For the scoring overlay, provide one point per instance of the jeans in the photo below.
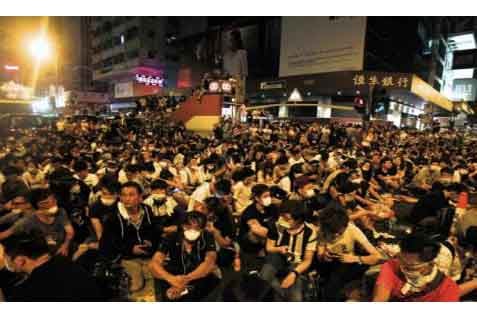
(278, 264)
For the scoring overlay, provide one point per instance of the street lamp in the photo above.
(40, 49)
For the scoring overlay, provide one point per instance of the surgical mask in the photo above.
(191, 235)
(267, 201)
(52, 211)
(158, 196)
(415, 281)
(107, 201)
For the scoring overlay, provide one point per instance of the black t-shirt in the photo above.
(428, 206)
(225, 225)
(179, 261)
(101, 211)
(265, 219)
(339, 181)
(59, 279)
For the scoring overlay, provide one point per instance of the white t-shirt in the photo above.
(347, 241)
(293, 161)
(285, 184)
(242, 197)
(200, 194)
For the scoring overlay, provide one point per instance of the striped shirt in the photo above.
(298, 243)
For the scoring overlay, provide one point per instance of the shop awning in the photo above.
(428, 93)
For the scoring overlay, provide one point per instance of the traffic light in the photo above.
(359, 104)
(380, 102)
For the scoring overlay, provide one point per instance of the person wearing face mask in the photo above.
(104, 206)
(16, 208)
(220, 188)
(253, 226)
(290, 247)
(47, 219)
(48, 277)
(164, 206)
(191, 253)
(305, 191)
(414, 276)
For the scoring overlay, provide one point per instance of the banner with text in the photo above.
(311, 45)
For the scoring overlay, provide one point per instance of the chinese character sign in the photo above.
(381, 80)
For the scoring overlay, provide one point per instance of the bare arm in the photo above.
(205, 268)
(467, 287)
(381, 293)
(98, 227)
(257, 229)
(157, 269)
(305, 264)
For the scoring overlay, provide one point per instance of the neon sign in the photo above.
(150, 80)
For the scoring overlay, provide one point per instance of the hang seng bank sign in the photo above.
(382, 79)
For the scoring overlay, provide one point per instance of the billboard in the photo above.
(311, 45)
(464, 89)
(123, 90)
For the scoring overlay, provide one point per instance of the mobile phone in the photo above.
(185, 292)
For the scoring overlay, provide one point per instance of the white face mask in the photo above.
(267, 201)
(52, 211)
(107, 201)
(158, 196)
(191, 235)
(416, 282)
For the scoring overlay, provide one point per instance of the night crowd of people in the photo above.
(141, 209)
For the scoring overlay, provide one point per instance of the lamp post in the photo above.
(41, 50)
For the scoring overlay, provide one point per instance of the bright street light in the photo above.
(40, 49)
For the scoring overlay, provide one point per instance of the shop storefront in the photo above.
(400, 98)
